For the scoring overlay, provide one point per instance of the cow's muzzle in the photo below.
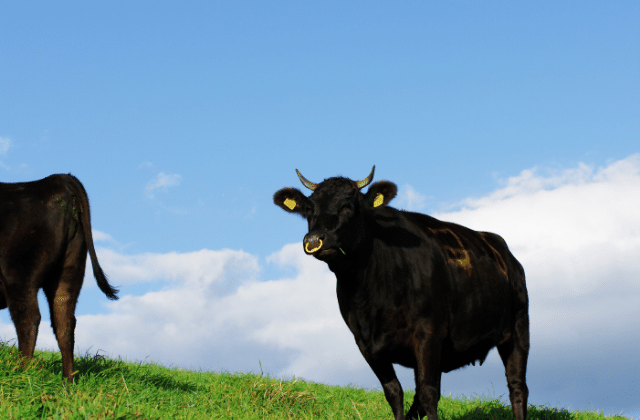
(313, 243)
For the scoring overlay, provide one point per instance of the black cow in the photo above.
(413, 290)
(45, 232)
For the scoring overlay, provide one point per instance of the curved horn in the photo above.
(306, 182)
(367, 180)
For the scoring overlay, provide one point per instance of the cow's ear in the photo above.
(291, 200)
(380, 193)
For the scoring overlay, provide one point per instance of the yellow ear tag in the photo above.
(379, 200)
(290, 203)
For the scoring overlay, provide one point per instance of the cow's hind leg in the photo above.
(514, 354)
(25, 314)
(62, 296)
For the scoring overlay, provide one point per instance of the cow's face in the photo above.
(334, 212)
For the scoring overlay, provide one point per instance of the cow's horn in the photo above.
(367, 180)
(306, 182)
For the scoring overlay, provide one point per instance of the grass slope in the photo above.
(115, 389)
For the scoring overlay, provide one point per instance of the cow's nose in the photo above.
(312, 242)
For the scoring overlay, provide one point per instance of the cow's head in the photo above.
(335, 211)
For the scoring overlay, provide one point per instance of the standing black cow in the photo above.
(413, 290)
(45, 232)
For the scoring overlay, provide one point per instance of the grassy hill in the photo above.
(115, 389)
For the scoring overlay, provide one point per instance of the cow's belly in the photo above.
(399, 346)
(389, 351)
(452, 359)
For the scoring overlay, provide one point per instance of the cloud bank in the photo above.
(575, 231)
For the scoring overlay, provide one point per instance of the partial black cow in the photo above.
(413, 290)
(45, 232)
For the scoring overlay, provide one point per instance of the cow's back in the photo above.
(37, 219)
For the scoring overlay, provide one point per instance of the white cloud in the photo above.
(187, 316)
(198, 269)
(163, 181)
(575, 230)
(409, 199)
(99, 236)
(298, 315)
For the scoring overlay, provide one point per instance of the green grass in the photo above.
(115, 389)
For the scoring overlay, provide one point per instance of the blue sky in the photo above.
(182, 120)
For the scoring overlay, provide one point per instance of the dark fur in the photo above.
(413, 290)
(45, 232)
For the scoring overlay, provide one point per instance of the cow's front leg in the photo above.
(419, 410)
(390, 385)
(428, 375)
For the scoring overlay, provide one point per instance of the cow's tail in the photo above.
(85, 220)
